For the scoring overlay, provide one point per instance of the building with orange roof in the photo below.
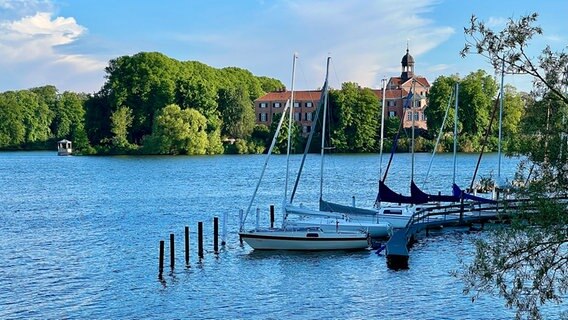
(396, 96)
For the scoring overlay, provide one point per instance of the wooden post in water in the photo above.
(161, 260)
(216, 235)
(186, 246)
(200, 239)
(271, 216)
(172, 251)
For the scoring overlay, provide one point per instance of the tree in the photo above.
(282, 139)
(356, 114)
(121, 121)
(237, 113)
(527, 262)
(178, 131)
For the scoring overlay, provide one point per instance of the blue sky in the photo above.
(68, 43)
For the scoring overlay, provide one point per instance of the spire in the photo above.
(407, 65)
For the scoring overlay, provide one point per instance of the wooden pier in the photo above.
(462, 214)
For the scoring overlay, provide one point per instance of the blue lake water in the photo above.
(79, 240)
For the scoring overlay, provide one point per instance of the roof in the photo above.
(390, 94)
(306, 95)
(398, 81)
(407, 59)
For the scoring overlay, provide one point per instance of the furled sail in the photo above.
(423, 197)
(459, 192)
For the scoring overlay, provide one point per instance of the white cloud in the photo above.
(366, 40)
(33, 43)
(496, 22)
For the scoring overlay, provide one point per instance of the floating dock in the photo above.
(463, 214)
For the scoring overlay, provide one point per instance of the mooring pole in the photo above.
(216, 235)
(172, 251)
(200, 239)
(271, 216)
(161, 260)
(186, 246)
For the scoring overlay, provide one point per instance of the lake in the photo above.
(80, 238)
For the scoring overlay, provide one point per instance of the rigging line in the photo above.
(439, 137)
(486, 138)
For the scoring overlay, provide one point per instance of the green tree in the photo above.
(69, 120)
(441, 94)
(121, 121)
(526, 262)
(12, 128)
(178, 131)
(282, 139)
(237, 112)
(356, 117)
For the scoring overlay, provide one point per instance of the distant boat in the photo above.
(290, 237)
(64, 147)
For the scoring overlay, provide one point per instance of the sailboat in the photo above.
(328, 221)
(290, 237)
(395, 215)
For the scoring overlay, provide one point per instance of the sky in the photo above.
(68, 43)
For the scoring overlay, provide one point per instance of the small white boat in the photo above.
(305, 239)
(334, 222)
(64, 147)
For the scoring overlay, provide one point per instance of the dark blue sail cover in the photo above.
(458, 193)
(423, 197)
(386, 194)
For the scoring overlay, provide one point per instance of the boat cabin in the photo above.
(64, 147)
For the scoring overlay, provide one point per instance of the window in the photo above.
(297, 116)
(296, 104)
(392, 114)
(391, 103)
(263, 104)
(416, 116)
(276, 105)
(308, 116)
(263, 117)
(308, 129)
(309, 104)
(305, 129)
(409, 115)
(424, 116)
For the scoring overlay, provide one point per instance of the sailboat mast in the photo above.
(382, 129)
(456, 130)
(412, 114)
(290, 128)
(500, 123)
(323, 128)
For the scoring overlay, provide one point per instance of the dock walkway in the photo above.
(465, 214)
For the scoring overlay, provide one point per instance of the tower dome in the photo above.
(407, 66)
(407, 59)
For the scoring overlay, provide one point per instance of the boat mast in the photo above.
(323, 128)
(289, 130)
(500, 123)
(413, 90)
(456, 130)
(384, 81)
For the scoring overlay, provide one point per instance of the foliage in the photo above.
(237, 113)
(121, 120)
(282, 139)
(526, 262)
(356, 117)
(178, 131)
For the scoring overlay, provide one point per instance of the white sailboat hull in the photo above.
(305, 239)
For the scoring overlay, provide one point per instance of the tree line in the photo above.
(153, 104)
